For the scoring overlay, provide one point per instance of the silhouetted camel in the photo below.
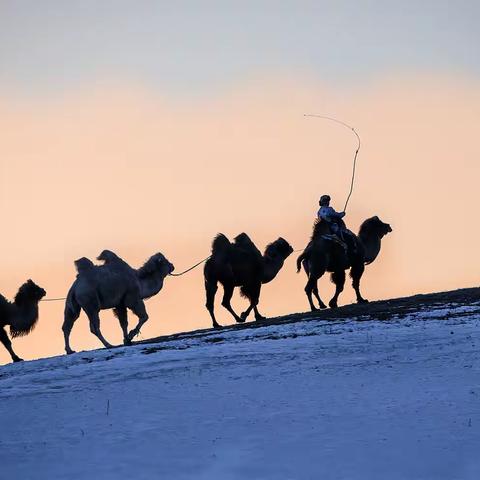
(21, 315)
(240, 264)
(325, 254)
(113, 285)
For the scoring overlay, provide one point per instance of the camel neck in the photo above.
(372, 245)
(270, 269)
(151, 285)
(25, 316)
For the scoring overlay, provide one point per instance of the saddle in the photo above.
(333, 238)
(349, 242)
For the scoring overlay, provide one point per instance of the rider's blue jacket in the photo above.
(328, 214)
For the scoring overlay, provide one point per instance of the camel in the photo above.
(21, 314)
(240, 264)
(325, 253)
(113, 285)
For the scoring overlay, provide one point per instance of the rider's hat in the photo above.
(324, 199)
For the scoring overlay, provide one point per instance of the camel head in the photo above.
(29, 292)
(374, 227)
(156, 265)
(279, 249)
(28, 296)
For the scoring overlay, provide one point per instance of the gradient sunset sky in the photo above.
(144, 126)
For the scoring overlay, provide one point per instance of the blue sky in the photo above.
(195, 47)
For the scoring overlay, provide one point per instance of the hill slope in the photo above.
(311, 396)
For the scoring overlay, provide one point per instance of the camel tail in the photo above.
(299, 261)
(220, 243)
(83, 264)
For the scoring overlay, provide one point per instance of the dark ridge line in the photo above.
(377, 310)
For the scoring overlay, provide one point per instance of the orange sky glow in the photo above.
(125, 169)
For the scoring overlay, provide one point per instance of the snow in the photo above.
(306, 400)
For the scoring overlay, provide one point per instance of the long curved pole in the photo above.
(356, 151)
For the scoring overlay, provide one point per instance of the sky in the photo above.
(151, 126)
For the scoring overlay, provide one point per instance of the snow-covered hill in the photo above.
(319, 396)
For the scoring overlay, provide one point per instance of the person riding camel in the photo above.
(332, 217)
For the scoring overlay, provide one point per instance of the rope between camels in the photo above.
(356, 151)
(189, 269)
(53, 299)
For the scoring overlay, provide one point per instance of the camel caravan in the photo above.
(115, 285)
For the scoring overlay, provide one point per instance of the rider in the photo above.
(329, 215)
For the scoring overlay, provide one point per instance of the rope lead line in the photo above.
(356, 151)
(189, 269)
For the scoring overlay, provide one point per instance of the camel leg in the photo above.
(255, 300)
(94, 318)
(258, 316)
(312, 288)
(317, 296)
(122, 315)
(246, 313)
(338, 278)
(72, 312)
(227, 296)
(309, 287)
(140, 311)
(251, 293)
(211, 289)
(356, 273)
(8, 345)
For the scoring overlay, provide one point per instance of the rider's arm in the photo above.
(333, 214)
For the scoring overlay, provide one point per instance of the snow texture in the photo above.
(308, 400)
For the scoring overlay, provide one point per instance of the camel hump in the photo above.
(108, 256)
(220, 243)
(244, 241)
(83, 264)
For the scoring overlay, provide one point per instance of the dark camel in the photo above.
(325, 253)
(240, 264)
(21, 314)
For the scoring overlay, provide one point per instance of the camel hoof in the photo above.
(217, 326)
(323, 306)
(362, 300)
(17, 359)
(333, 304)
(132, 335)
(244, 316)
(127, 341)
(70, 352)
(260, 318)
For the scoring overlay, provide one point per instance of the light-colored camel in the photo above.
(113, 285)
